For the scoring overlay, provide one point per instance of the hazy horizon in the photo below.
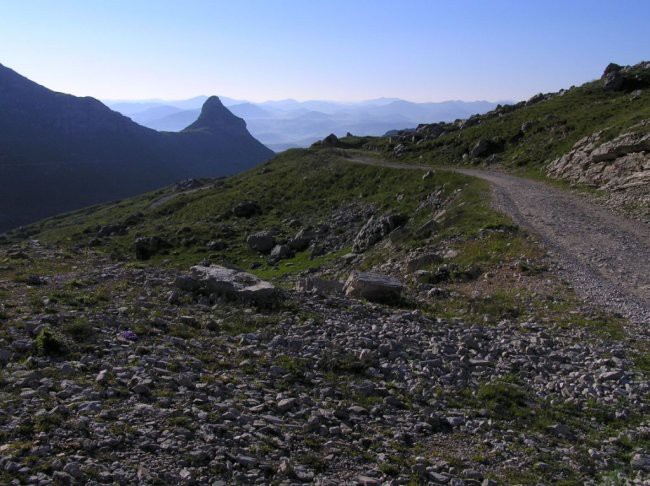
(299, 100)
(422, 51)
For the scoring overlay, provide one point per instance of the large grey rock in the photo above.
(375, 229)
(373, 287)
(234, 284)
(431, 131)
(613, 81)
(262, 242)
(22, 345)
(330, 141)
(112, 230)
(286, 404)
(280, 252)
(612, 67)
(563, 431)
(142, 387)
(483, 148)
(636, 94)
(302, 239)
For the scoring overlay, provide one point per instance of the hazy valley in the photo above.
(288, 123)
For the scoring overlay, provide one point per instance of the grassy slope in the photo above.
(306, 185)
(309, 185)
(557, 124)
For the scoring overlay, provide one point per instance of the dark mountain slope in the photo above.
(59, 152)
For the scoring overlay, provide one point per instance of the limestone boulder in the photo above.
(375, 229)
(262, 242)
(374, 287)
(230, 283)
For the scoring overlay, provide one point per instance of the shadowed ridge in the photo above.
(10, 79)
(60, 152)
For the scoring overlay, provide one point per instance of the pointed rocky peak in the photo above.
(215, 116)
(213, 108)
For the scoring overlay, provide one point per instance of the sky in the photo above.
(346, 50)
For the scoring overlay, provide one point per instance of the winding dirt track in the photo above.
(605, 256)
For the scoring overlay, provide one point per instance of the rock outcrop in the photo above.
(621, 166)
(373, 287)
(330, 141)
(375, 229)
(615, 80)
(262, 242)
(230, 283)
(483, 148)
(280, 252)
(302, 239)
(619, 78)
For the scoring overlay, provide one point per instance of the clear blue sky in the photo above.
(422, 50)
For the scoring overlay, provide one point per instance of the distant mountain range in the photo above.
(59, 152)
(289, 123)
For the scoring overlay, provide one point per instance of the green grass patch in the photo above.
(79, 330)
(642, 362)
(494, 246)
(50, 343)
(504, 398)
(313, 460)
(74, 296)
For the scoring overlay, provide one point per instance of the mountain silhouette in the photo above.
(60, 152)
(289, 123)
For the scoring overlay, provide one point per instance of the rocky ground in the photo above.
(397, 329)
(120, 373)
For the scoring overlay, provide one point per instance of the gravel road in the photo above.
(604, 255)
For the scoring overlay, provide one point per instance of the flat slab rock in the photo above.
(234, 284)
(373, 287)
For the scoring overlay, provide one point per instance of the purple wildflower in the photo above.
(129, 335)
